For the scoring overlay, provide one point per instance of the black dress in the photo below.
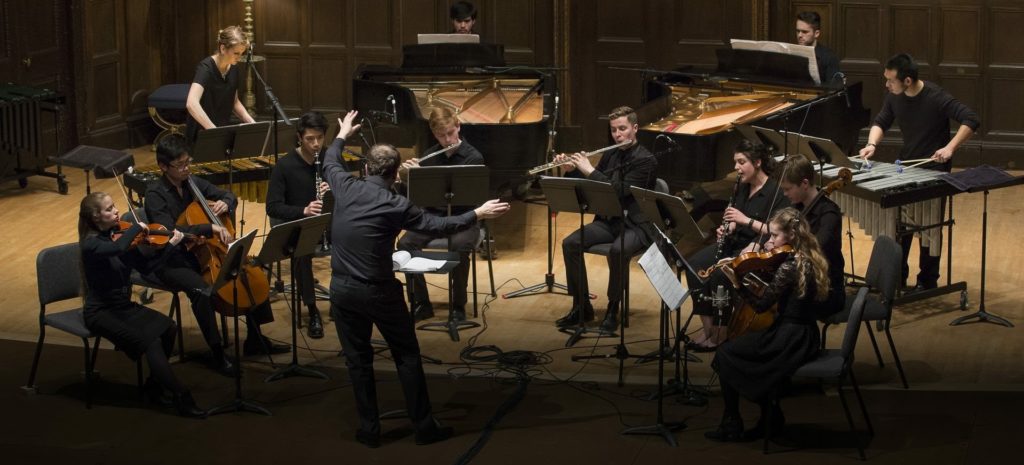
(756, 364)
(109, 310)
(219, 93)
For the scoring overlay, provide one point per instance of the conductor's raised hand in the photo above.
(347, 128)
(492, 209)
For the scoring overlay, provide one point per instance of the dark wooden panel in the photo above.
(1005, 117)
(1005, 33)
(102, 15)
(105, 102)
(859, 35)
(374, 27)
(912, 33)
(327, 25)
(961, 36)
(329, 93)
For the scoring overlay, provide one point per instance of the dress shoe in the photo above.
(729, 430)
(921, 287)
(253, 347)
(573, 317)
(369, 440)
(436, 434)
(186, 406)
(611, 319)
(699, 348)
(316, 325)
(458, 313)
(155, 393)
(422, 312)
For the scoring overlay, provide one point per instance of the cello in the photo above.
(253, 286)
(748, 268)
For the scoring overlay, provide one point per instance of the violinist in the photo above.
(756, 196)
(754, 365)
(825, 220)
(165, 202)
(109, 311)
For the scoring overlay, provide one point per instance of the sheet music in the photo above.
(447, 39)
(660, 274)
(404, 261)
(782, 47)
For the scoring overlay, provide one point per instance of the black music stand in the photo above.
(254, 139)
(581, 196)
(668, 214)
(658, 270)
(993, 181)
(449, 186)
(231, 269)
(103, 162)
(294, 239)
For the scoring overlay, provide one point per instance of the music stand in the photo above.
(251, 140)
(580, 196)
(230, 270)
(294, 239)
(669, 215)
(449, 186)
(103, 162)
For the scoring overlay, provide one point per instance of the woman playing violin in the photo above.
(757, 194)
(757, 363)
(109, 310)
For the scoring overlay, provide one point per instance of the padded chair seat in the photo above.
(71, 321)
(828, 364)
(169, 97)
(873, 310)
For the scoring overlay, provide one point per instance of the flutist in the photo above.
(445, 127)
(744, 223)
(296, 191)
(629, 165)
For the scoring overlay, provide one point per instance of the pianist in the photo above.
(922, 110)
(463, 16)
(808, 30)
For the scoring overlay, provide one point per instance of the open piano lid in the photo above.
(763, 67)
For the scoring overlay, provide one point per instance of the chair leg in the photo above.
(863, 407)
(768, 428)
(176, 310)
(31, 385)
(874, 344)
(896, 357)
(95, 351)
(138, 378)
(88, 373)
(473, 266)
(849, 420)
(824, 332)
(490, 264)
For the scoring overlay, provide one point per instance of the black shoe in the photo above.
(315, 329)
(573, 317)
(253, 347)
(369, 440)
(730, 430)
(436, 434)
(155, 393)
(759, 430)
(458, 313)
(422, 312)
(224, 366)
(186, 406)
(610, 323)
(921, 287)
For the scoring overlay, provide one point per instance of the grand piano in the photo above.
(504, 111)
(700, 110)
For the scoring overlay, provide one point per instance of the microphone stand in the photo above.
(275, 104)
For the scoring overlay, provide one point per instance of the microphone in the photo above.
(394, 109)
(846, 93)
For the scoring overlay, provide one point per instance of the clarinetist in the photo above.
(756, 196)
(622, 122)
(295, 192)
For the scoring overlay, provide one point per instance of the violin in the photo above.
(157, 236)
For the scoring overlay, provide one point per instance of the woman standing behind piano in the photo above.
(214, 92)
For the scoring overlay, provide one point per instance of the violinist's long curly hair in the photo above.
(88, 210)
(808, 252)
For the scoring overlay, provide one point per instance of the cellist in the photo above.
(165, 202)
(755, 364)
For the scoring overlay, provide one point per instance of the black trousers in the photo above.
(303, 269)
(356, 307)
(600, 232)
(928, 266)
(462, 242)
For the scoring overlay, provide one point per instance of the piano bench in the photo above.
(167, 110)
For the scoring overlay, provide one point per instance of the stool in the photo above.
(171, 99)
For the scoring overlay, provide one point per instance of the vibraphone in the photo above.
(893, 200)
(21, 154)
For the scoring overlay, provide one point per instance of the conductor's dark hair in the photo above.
(312, 120)
(171, 148)
(462, 10)
(757, 152)
(383, 160)
(810, 17)
(904, 65)
(798, 168)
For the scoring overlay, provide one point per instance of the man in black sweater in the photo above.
(293, 194)
(445, 127)
(364, 292)
(922, 110)
(808, 30)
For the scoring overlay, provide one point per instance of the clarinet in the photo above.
(725, 235)
(317, 180)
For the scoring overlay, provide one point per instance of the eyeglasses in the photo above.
(181, 165)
